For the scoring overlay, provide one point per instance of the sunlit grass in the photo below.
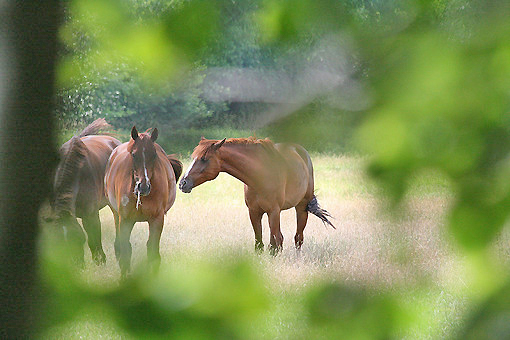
(368, 249)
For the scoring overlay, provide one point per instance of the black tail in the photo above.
(176, 165)
(314, 208)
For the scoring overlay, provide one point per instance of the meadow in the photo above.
(370, 248)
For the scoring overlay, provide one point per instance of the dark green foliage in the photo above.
(304, 126)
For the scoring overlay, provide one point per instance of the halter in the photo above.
(137, 194)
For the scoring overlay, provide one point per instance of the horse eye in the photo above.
(203, 160)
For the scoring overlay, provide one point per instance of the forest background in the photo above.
(225, 69)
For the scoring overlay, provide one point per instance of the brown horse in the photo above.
(79, 187)
(275, 176)
(140, 185)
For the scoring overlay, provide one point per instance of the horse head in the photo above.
(205, 165)
(143, 153)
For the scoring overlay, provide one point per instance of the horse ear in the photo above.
(202, 138)
(134, 133)
(154, 134)
(219, 144)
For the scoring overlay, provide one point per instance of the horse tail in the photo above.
(314, 208)
(176, 165)
(67, 174)
(313, 205)
(94, 127)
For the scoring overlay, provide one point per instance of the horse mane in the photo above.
(95, 127)
(67, 173)
(204, 146)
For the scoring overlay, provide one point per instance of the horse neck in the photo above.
(243, 162)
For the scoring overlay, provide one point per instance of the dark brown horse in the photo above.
(275, 176)
(79, 187)
(140, 185)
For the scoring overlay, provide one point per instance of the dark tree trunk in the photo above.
(28, 43)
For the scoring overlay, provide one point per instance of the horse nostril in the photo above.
(186, 185)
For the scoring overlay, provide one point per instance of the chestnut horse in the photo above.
(78, 189)
(276, 177)
(140, 185)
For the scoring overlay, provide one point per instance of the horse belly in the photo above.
(293, 197)
(171, 198)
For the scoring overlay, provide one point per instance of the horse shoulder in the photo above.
(117, 177)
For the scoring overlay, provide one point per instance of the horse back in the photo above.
(99, 149)
(81, 171)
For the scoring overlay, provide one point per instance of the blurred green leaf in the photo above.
(492, 319)
(192, 25)
(337, 311)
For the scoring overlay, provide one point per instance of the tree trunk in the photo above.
(28, 40)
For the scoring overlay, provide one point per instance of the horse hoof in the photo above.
(99, 259)
(259, 247)
(274, 250)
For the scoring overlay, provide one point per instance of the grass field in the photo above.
(369, 248)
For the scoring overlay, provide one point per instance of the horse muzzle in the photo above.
(186, 185)
(142, 188)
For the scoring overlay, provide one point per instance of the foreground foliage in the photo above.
(430, 80)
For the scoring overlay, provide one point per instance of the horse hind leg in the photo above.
(302, 218)
(74, 237)
(92, 226)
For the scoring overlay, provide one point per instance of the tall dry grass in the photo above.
(369, 247)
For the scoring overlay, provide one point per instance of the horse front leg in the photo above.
(256, 222)
(92, 226)
(276, 240)
(155, 230)
(116, 221)
(123, 248)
